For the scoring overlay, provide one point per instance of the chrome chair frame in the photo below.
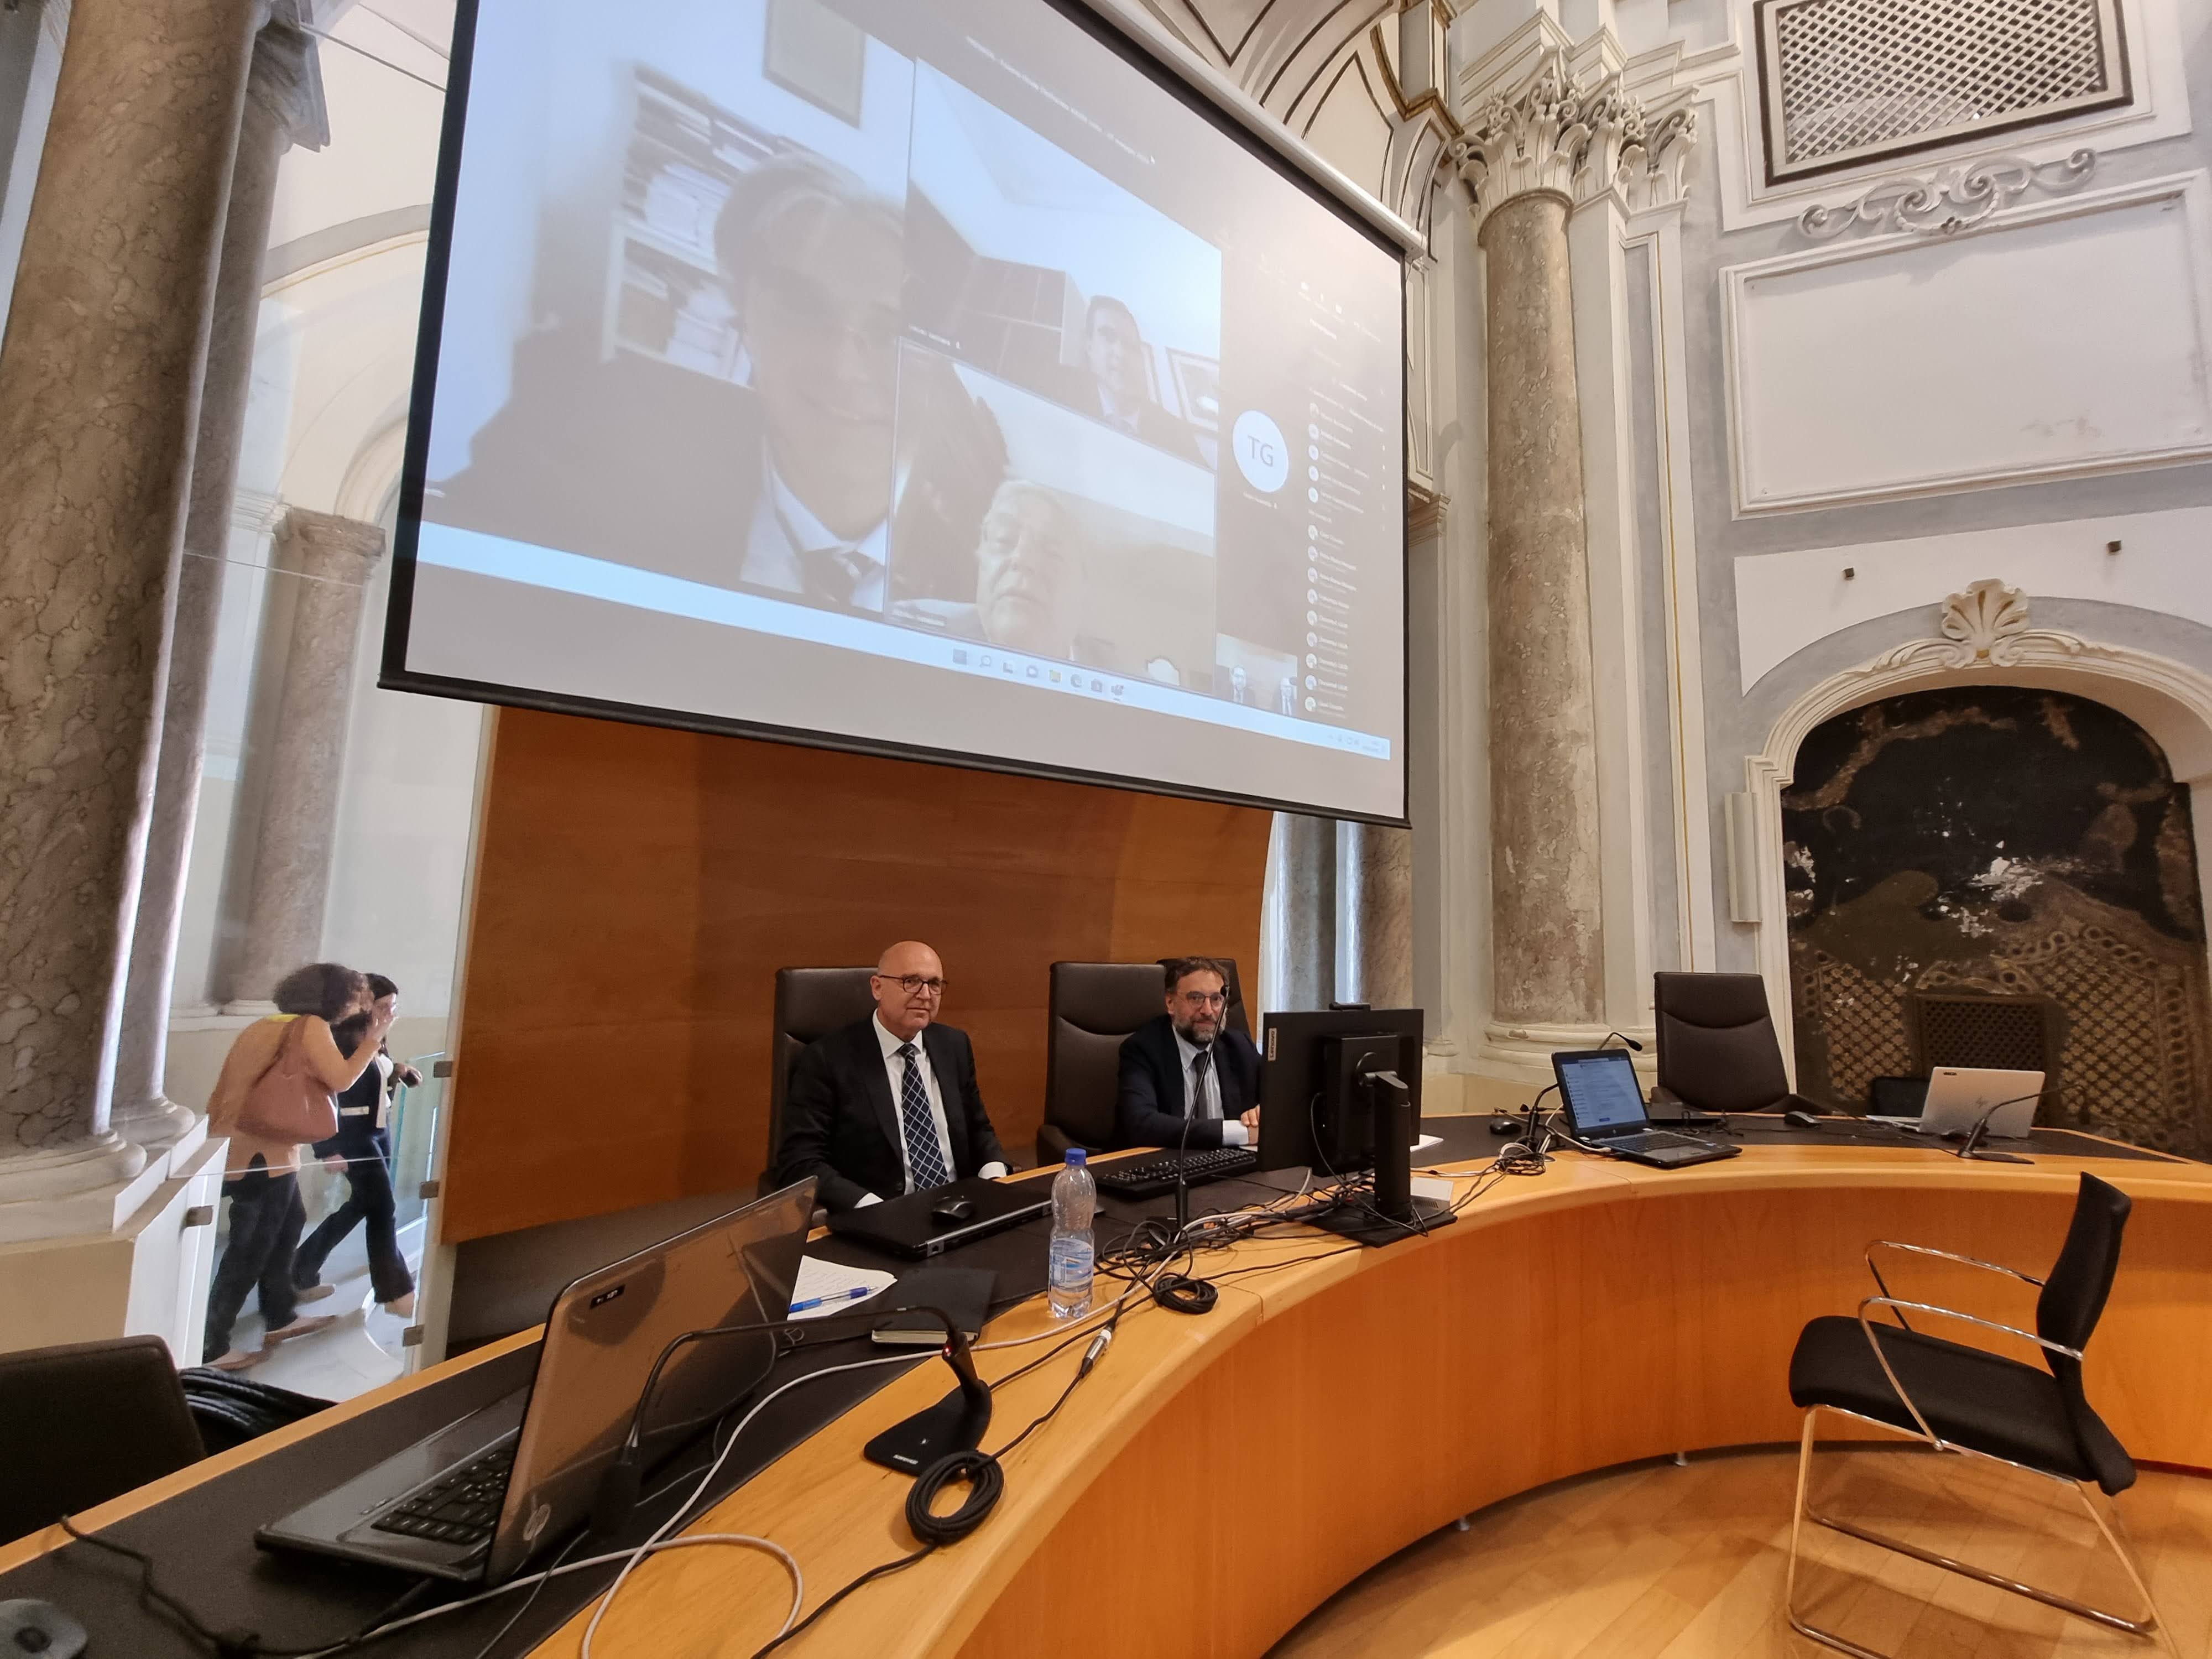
(2112, 1530)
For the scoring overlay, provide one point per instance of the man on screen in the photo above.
(889, 1105)
(1029, 575)
(1186, 1079)
(813, 263)
(1115, 386)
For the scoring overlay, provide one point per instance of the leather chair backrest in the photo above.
(810, 1003)
(2067, 1312)
(1717, 1047)
(1093, 1007)
(86, 1422)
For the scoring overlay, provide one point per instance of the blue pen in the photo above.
(853, 1295)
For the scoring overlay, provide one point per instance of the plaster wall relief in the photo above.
(2012, 841)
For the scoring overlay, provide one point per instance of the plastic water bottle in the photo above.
(1074, 1202)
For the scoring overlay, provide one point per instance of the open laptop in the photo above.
(929, 1224)
(1604, 1108)
(477, 1499)
(1958, 1096)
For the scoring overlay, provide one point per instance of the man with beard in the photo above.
(1188, 1079)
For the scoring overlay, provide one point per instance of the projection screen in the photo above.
(938, 378)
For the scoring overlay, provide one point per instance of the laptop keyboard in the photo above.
(1655, 1140)
(459, 1508)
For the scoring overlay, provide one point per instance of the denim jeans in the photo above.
(266, 1218)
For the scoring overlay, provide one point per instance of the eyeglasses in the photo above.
(1205, 998)
(911, 983)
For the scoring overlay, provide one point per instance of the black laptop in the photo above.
(1605, 1110)
(476, 1499)
(929, 1224)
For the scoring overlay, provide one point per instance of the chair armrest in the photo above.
(1946, 1256)
(1662, 1095)
(1882, 1359)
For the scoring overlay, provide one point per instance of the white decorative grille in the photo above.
(1845, 81)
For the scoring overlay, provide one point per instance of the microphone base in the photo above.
(956, 1423)
(1984, 1155)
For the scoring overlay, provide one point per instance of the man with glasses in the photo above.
(889, 1104)
(1186, 1079)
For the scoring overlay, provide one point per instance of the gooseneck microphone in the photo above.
(1625, 1038)
(1971, 1148)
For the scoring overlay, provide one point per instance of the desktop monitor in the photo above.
(1339, 1092)
(1310, 1110)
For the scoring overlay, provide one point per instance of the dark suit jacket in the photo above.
(1155, 426)
(1149, 1109)
(840, 1124)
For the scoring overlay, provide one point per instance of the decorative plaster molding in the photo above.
(1984, 638)
(1949, 199)
(1581, 137)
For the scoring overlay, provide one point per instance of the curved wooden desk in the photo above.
(1218, 1477)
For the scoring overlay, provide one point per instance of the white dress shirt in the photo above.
(1202, 1097)
(783, 528)
(894, 1070)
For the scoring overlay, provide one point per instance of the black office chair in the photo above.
(1965, 1400)
(1092, 1006)
(1718, 1051)
(86, 1422)
(810, 1003)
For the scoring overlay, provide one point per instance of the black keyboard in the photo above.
(461, 1507)
(1156, 1176)
(1655, 1140)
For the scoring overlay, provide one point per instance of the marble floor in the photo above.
(359, 1352)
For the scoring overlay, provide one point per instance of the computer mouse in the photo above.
(1504, 1126)
(41, 1628)
(948, 1210)
(1798, 1119)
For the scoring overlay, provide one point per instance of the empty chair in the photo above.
(1718, 1051)
(86, 1422)
(810, 1003)
(1092, 1006)
(1965, 1400)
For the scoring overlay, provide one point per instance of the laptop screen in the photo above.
(1600, 1091)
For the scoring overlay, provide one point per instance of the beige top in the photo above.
(253, 1053)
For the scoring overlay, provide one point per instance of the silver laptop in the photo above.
(1958, 1096)
(476, 1499)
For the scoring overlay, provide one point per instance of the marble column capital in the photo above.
(1581, 137)
(326, 547)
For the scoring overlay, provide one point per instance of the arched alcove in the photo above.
(2005, 842)
(1983, 639)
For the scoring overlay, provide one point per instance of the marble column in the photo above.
(1383, 898)
(279, 104)
(1524, 156)
(1307, 911)
(304, 676)
(99, 385)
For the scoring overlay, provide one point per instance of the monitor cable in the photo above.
(1181, 1293)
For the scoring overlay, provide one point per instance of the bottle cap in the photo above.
(1076, 1156)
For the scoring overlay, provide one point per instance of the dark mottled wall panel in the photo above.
(2005, 840)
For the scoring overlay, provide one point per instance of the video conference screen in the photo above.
(914, 376)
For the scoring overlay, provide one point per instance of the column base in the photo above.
(145, 1272)
(1523, 1050)
(153, 1124)
(89, 1186)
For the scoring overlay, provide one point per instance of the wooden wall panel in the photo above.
(637, 889)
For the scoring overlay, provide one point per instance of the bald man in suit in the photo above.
(889, 1105)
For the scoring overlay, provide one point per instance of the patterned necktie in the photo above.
(831, 575)
(1202, 1103)
(925, 1164)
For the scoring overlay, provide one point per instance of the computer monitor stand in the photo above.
(1395, 1213)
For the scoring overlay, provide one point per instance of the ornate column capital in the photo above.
(1578, 138)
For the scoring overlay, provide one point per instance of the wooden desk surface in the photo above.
(1219, 1476)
